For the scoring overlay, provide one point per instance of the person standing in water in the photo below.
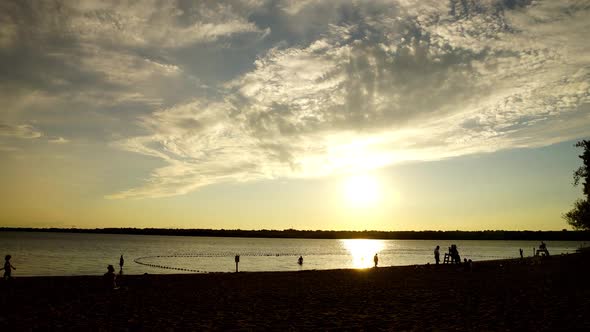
(300, 260)
(376, 260)
(121, 262)
(8, 267)
(437, 254)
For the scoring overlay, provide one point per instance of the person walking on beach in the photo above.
(121, 262)
(8, 268)
(521, 253)
(376, 260)
(300, 260)
(437, 254)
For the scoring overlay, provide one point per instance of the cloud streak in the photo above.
(23, 131)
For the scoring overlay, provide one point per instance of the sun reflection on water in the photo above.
(362, 251)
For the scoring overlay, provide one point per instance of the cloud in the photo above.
(103, 63)
(85, 43)
(150, 23)
(128, 23)
(58, 140)
(246, 90)
(4, 148)
(23, 131)
(382, 84)
(201, 144)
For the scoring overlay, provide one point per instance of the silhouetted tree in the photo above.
(579, 216)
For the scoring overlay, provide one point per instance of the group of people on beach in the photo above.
(110, 277)
(453, 253)
(454, 256)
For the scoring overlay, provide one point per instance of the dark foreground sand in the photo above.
(501, 295)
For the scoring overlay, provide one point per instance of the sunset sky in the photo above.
(306, 114)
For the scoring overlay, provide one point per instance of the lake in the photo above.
(64, 254)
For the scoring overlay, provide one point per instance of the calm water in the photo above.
(37, 254)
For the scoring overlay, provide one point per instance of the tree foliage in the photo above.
(579, 216)
(582, 172)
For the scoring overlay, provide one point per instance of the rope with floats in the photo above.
(141, 260)
(138, 261)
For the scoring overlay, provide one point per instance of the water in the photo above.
(40, 254)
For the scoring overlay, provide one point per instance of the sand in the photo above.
(552, 294)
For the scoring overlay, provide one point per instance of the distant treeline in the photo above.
(319, 234)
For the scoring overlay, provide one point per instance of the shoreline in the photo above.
(99, 275)
(479, 262)
(534, 294)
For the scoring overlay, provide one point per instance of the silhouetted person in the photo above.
(121, 262)
(543, 248)
(454, 253)
(110, 278)
(521, 253)
(8, 267)
(376, 260)
(300, 260)
(437, 254)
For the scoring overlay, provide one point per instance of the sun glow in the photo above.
(362, 190)
(362, 251)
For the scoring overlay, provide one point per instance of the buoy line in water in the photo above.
(140, 260)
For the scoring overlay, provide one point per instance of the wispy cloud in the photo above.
(202, 145)
(58, 140)
(23, 131)
(102, 63)
(148, 23)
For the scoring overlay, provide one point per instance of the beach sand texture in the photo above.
(553, 294)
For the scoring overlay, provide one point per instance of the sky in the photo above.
(306, 114)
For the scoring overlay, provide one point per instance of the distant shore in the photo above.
(562, 235)
(530, 295)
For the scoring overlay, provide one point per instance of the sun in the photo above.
(362, 251)
(361, 190)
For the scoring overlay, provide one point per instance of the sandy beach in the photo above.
(548, 295)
